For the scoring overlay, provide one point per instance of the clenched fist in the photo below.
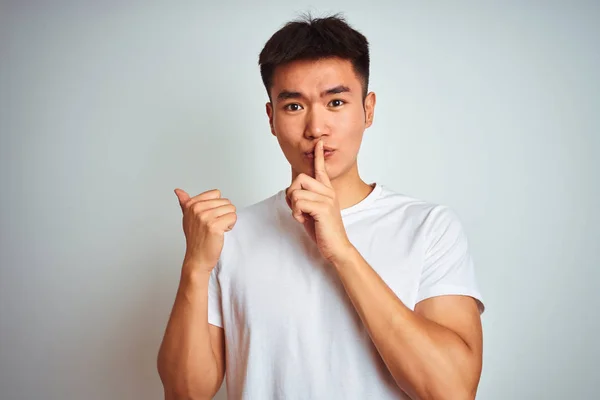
(206, 218)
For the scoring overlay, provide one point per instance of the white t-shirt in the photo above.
(291, 331)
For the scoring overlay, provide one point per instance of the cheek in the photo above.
(289, 131)
(289, 137)
(283, 126)
(349, 129)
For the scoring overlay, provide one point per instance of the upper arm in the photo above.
(448, 292)
(217, 341)
(461, 315)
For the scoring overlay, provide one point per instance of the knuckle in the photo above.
(204, 218)
(188, 204)
(196, 208)
(212, 226)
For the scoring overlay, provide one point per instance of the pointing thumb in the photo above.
(182, 196)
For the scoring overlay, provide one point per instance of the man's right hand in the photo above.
(206, 218)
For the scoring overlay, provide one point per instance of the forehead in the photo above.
(313, 76)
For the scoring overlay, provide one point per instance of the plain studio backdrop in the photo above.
(106, 107)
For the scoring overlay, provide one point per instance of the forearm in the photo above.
(426, 359)
(186, 363)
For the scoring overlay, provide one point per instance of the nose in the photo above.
(316, 124)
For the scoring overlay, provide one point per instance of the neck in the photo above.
(349, 188)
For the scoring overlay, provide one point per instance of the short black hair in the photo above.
(311, 38)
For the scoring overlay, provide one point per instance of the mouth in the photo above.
(326, 153)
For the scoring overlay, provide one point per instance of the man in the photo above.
(332, 288)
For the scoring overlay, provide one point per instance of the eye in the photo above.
(337, 103)
(292, 107)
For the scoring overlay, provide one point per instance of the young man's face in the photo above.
(319, 99)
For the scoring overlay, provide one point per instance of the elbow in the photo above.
(183, 391)
(186, 389)
(175, 385)
(469, 392)
(186, 395)
(457, 391)
(181, 386)
(457, 386)
(462, 392)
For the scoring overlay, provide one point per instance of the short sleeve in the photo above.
(215, 315)
(448, 267)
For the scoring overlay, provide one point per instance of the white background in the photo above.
(106, 107)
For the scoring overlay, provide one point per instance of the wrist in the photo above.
(193, 267)
(345, 256)
(196, 261)
(190, 275)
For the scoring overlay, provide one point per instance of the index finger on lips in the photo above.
(306, 182)
(319, 165)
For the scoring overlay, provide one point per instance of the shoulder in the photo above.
(424, 212)
(429, 220)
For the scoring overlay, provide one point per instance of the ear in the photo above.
(269, 109)
(370, 101)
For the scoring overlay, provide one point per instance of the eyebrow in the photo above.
(288, 94)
